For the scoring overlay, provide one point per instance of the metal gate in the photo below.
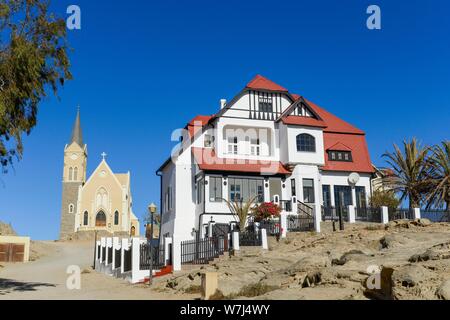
(10, 252)
(221, 229)
(296, 223)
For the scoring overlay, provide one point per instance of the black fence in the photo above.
(273, 227)
(401, 214)
(203, 251)
(158, 257)
(110, 253)
(436, 215)
(127, 260)
(368, 214)
(250, 238)
(297, 223)
(332, 213)
(117, 258)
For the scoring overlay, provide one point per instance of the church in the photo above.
(103, 202)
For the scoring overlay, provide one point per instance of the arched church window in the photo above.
(102, 198)
(75, 174)
(86, 218)
(71, 208)
(100, 219)
(70, 174)
(116, 218)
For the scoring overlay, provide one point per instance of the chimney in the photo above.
(223, 103)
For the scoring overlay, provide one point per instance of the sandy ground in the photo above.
(45, 278)
(414, 257)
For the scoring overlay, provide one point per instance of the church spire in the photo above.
(77, 136)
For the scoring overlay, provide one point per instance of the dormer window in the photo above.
(208, 141)
(265, 104)
(343, 156)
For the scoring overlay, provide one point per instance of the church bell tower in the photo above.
(74, 176)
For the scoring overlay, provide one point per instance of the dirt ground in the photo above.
(414, 259)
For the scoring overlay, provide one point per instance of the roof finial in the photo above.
(103, 155)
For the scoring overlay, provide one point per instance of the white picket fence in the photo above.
(121, 258)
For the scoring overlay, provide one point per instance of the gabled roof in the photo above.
(207, 160)
(261, 83)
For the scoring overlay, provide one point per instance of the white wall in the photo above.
(294, 156)
(341, 179)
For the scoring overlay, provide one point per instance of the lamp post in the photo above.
(152, 210)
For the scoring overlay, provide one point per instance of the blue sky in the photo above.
(144, 68)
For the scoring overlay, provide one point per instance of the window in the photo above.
(243, 189)
(208, 141)
(215, 189)
(326, 194)
(306, 143)
(200, 190)
(102, 198)
(255, 148)
(86, 218)
(168, 199)
(75, 174)
(71, 208)
(265, 104)
(308, 191)
(232, 145)
(70, 174)
(343, 196)
(345, 156)
(361, 201)
(116, 218)
(293, 191)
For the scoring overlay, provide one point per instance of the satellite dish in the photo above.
(353, 178)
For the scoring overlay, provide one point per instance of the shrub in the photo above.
(266, 210)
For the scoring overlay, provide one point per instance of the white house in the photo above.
(266, 143)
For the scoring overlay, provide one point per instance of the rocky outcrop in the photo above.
(6, 230)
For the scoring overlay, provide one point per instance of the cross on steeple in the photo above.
(103, 155)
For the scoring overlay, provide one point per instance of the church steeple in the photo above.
(77, 135)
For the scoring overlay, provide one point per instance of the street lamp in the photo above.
(152, 209)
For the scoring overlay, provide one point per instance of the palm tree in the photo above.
(241, 210)
(410, 168)
(439, 175)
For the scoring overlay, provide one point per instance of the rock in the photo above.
(309, 263)
(437, 252)
(422, 222)
(444, 291)
(6, 230)
(412, 282)
(350, 255)
(394, 240)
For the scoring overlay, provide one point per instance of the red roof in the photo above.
(334, 124)
(207, 160)
(339, 147)
(259, 82)
(196, 124)
(360, 154)
(304, 121)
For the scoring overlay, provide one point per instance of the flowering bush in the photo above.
(266, 210)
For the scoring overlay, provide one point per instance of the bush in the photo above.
(266, 210)
(384, 198)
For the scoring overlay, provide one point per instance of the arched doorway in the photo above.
(133, 231)
(100, 219)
